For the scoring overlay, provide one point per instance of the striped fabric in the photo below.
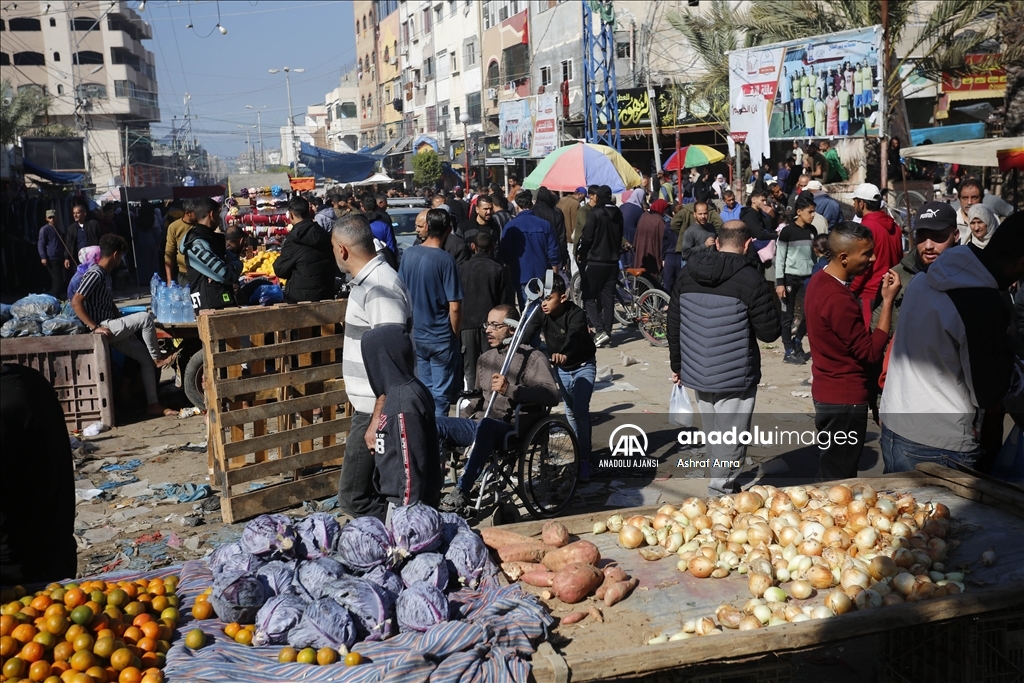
(377, 297)
(95, 288)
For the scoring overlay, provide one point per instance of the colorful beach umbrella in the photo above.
(693, 156)
(581, 165)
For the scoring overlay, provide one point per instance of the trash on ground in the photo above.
(95, 429)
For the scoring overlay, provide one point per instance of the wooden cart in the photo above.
(991, 514)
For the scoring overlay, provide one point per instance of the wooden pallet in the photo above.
(262, 422)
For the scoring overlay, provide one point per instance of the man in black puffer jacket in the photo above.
(597, 254)
(546, 207)
(307, 260)
(720, 307)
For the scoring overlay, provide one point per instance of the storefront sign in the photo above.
(993, 79)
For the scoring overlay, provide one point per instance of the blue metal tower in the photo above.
(600, 94)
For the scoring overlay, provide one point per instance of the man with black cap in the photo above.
(51, 254)
(951, 357)
(934, 232)
(598, 257)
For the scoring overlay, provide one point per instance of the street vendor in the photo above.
(210, 275)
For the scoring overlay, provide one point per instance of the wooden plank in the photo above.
(279, 496)
(1003, 495)
(247, 385)
(267, 411)
(292, 462)
(244, 322)
(781, 638)
(291, 436)
(260, 352)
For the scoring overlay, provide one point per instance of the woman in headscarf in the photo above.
(650, 236)
(87, 256)
(632, 209)
(719, 186)
(983, 224)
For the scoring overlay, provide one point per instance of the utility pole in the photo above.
(652, 105)
(291, 117)
(884, 154)
(259, 125)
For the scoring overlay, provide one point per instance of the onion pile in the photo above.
(851, 546)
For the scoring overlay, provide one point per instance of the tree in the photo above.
(18, 111)
(1012, 25)
(426, 168)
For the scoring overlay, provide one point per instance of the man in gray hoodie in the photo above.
(700, 236)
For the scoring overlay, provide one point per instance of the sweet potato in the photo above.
(573, 618)
(530, 551)
(612, 575)
(595, 613)
(575, 581)
(618, 591)
(542, 578)
(580, 551)
(498, 538)
(555, 533)
(513, 570)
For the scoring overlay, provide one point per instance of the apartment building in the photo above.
(89, 57)
(343, 121)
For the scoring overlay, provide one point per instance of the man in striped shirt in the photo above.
(377, 297)
(93, 302)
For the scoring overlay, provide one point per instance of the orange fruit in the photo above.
(8, 646)
(166, 632)
(157, 588)
(353, 659)
(144, 598)
(30, 611)
(82, 660)
(121, 659)
(57, 624)
(41, 602)
(73, 632)
(24, 633)
(134, 609)
(75, 597)
(39, 671)
(232, 629)
(7, 624)
(195, 639)
(82, 615)
(83, 641)
(150, 629)
(99, 622)
(244, 637)
(202, 610)
(46, 639)
(97, 673)
(15, 667)
(77, 677)
(117, 598)
(32, 652)
(103, 648)
(62, 651)
(130, 675)
(153, 676)
(287, 655)
(160, 603)
(99, 597)
(307, 655)
(133, 634)
(147, 644)
(202, 597)
(57, 608)
(105, 633)
(141, 619)
(326, 655)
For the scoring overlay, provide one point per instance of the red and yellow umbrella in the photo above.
(693, 156)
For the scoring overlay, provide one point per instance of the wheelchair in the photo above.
(538, 464)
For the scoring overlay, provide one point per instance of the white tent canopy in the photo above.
(968, 153)
(375, 179)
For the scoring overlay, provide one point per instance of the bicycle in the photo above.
(638, 301)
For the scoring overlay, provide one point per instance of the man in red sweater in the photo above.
(843, 348)
(888, 239)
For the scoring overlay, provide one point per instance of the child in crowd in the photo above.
(572, 353)
(821, 255)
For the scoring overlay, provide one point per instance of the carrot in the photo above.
(580, 551)
(555, 533)
(543, 579)
(498, 538)
(618, 591)
(530, 551)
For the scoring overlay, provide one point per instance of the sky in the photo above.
(224, 73)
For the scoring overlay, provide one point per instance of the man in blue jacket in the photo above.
(51, 254)
(528, 245)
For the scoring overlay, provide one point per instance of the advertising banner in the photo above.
(990, 80)
(826, 86)
(515, 128)
(545, 129)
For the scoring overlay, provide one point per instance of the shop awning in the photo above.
(52, 176)
(972, 153)
(303, 184)
(341, 166)
(939, 134)
(376, 179)
(396, 146)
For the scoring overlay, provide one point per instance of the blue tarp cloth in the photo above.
(53, 176)
(956, 133)
(342, 167)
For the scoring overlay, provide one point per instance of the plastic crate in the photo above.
(985, 648)
(78, 366)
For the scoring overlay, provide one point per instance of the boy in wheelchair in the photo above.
(528, 384)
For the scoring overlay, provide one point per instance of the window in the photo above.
(348, 110)
(5, 59)
(405, 32)
(431, 118)
(623, 50)
(458, 115)
(364, 22)
(428, 68)
(3, 25)
(567, 70)
(92, 91)
(369, 102)
(357, 27)
(60, 89)
(444, 113)
(470, 54)
(386, 54)
(545, 75)
(473, 107)
(443, 65)
(56, 56)
(493, 75)
(387, 93)
(438, 14)
(454, 63)
(384, 8)
(490, 13)
(25, 24)
(53, 22)
(543, 5)
(29, 59)
(32, 87)
(451, 8)
(516, 62)
(426, 21)
(84, 24)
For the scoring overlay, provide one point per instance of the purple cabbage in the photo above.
(277, 618)
(270, 535)
(386, 579)
(230, 558)
(421, 606)
(238, 597)
(451, 524)
(467, 558)
(325, 623)
(318, 534)
(416, 528)
(276, 577)
(370, 605)
(365, 543)
(426, 568)
(311, 577)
